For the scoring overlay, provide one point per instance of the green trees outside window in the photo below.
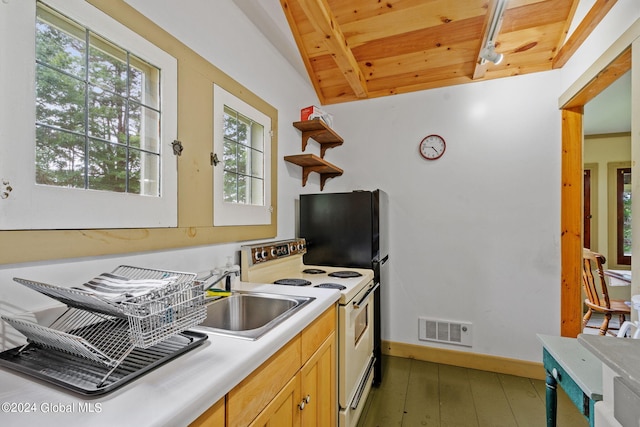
(97, 111)
(243, 159)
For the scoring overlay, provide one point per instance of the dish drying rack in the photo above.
(105, 332)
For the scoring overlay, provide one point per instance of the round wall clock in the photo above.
(432, 147)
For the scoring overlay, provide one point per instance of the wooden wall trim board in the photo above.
(593, 169)
(607, 135)
(597, 12)
(614, 51)
(484, 362)
(195, 175)
(571, 223)
(619, 66)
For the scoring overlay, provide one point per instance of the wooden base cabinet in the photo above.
(283, 409)
(309, 398)
(318, 378)
(295, 387)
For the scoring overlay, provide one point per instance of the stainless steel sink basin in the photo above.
(250, 315)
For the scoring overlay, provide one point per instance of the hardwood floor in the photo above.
(417, 393)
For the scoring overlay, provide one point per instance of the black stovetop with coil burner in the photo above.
(345, 274)
(349, 281)
(314, 271)
(292, 282)
(303, 282)
(316, 274)
(331, 286)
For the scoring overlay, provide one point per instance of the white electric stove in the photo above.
(282, 263)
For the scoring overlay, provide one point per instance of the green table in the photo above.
(577, 370)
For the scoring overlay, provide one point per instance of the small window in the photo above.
(92, 118)
(623, 207)
(241, 181)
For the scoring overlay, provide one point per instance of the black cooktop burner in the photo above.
(292, 282)
(313, 271)
(345, 274)
(331, 286)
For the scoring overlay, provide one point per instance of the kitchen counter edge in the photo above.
(622, 355)
(173, 394)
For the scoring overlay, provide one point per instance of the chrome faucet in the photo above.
(226, 274)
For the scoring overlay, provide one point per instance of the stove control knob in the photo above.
(257, 255)
(264, 254)
(300, 246)
(274, 252)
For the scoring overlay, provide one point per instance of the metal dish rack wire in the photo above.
(105, 332)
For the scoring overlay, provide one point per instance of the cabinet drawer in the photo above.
(283, 411)
(567, 383)
(317, 332)
(212, 417)
(253, 394)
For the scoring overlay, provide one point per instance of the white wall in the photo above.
(475, 234)
(207, 27)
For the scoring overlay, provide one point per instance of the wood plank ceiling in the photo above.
(358, 49)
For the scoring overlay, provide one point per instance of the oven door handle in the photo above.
(363, 384)
(358, 304)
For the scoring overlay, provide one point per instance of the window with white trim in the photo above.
(95, 119)
(242, 144)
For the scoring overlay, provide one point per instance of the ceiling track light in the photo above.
(488, 52)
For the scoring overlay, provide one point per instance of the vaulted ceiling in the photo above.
(358, 49)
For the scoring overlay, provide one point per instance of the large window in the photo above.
(92, 118)
(241, 180)
(97, 111)
(623, 207)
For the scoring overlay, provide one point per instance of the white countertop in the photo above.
(173, 394)
(584, 368)
(620, 354)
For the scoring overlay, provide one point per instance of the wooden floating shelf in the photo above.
(312, 163)
(321, 133)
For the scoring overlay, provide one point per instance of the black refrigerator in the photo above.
(349, 230)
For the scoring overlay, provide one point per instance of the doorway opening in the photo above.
(572, 193)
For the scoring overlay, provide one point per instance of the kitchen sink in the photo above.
(250, 315)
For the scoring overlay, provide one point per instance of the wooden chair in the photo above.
(597, 294)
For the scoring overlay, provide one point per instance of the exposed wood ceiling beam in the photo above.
(319, 14)
(597, 12)
(481, 65)
(567, 25)
(384, 48)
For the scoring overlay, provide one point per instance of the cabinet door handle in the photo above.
(304, 402)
